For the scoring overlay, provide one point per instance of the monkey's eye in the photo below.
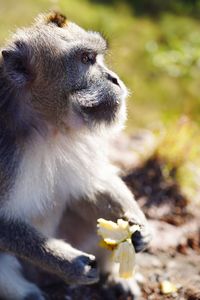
(88, 57)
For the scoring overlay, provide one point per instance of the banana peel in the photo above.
(117, 238)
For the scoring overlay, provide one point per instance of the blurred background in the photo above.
(155, 49)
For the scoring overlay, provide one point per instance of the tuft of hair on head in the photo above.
(56, 18)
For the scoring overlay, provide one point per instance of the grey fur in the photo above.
(54, 87)
(54, 256)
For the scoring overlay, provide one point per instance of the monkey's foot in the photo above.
(34, 296)
(124, 287)
(12, 283)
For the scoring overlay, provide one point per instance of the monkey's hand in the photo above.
(75, 267)
(140, 238)
(87, 272)
(83, 270)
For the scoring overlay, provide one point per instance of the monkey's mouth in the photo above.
(103, 111)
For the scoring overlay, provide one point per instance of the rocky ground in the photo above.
(173, 257)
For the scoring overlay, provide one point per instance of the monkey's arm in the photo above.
(56, 256)
(118, 202)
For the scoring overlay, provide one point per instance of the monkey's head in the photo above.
(56, 69)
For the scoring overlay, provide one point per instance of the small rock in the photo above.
(168, 287)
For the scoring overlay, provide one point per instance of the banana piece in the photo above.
(117, 237)
(112, 233)
(125, 256)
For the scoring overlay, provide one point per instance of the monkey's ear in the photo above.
(56, 18)
(17, 62)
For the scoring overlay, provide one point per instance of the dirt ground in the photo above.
(174, 251)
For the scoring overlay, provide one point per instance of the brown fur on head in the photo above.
(57, 18)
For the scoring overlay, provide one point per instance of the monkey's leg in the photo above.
(12, 283)
(56, 256)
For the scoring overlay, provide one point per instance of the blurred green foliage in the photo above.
(178, 146)
(157, 7)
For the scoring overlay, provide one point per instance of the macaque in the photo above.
(59, 107)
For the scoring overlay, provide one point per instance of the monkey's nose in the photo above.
(112, 79)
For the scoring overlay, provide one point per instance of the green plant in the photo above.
(179, 148)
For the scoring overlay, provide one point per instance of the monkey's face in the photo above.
(60, 67)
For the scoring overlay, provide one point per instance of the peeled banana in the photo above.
(117, 237)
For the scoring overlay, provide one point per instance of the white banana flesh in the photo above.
(118, 235)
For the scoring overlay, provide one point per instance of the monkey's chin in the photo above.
(109, 115)
(104, 111)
